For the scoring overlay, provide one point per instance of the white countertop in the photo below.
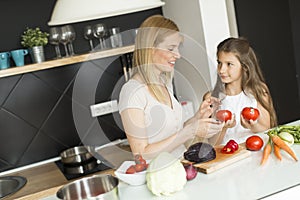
(244, 180)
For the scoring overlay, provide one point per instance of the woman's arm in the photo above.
(134, 124)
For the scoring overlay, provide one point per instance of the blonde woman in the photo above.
(151, 115)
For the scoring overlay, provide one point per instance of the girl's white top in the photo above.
(161, 120)
(236, 104)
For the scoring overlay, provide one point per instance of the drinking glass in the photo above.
(100, 32)
(72, 36)
(115, 37)
(65, 39)
(88, 35)
(54, 38)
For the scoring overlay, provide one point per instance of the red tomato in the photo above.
(224, 115)
(140, 167)
(131, 170)
(142, 161)
(254, 143)
(250, 113)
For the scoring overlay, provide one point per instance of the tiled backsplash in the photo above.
(36, 117)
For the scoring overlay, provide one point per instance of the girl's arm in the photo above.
(263, 122)
(218, 138)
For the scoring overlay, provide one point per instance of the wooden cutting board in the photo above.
(222, 160)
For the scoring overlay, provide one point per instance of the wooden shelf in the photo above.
(65, 61)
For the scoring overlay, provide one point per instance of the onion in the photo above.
(287, 138)
(191, 171)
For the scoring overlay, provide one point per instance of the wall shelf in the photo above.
(65, 61)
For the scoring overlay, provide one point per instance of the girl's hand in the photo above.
(230, 123)
(248, 124)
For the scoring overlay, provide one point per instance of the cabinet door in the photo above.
(268, 27)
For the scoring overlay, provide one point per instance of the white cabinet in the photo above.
(204, 24)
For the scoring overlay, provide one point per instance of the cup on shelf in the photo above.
(5, 60)
(18, 56)
(115, 37)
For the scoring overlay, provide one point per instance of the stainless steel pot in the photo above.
(100, 187)
(76, 155)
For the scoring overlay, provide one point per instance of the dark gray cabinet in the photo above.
(274, 31)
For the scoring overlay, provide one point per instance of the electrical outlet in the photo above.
(104, 108)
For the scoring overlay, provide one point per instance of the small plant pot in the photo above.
(37, 54)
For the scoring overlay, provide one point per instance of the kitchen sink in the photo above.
(11, 184)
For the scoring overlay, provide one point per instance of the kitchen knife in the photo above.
(218, 92)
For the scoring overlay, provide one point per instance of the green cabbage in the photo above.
(165, 175)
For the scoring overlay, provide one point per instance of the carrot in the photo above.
(277, 151)
(282, 145)
(266, 153)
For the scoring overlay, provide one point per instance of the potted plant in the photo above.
(35, 40)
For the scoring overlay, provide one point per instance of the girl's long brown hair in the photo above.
(253, 80)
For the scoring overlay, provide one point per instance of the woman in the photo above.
(151, 116)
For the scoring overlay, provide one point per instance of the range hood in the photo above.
(71, 11)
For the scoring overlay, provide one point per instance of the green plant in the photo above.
(34, 37)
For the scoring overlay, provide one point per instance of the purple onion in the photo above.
(191, 171)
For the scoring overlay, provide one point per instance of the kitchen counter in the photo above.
(42, 181)
(245, 180)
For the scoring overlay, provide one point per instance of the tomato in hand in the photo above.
(254, 143)
(250, 113)
(223, 115)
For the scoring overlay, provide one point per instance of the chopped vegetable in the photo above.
(230, 147)
(140, 165)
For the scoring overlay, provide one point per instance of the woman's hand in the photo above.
(206, 108)
(208, 127)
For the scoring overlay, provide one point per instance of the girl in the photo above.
(240, 73)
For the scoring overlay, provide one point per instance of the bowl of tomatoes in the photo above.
(132, 172)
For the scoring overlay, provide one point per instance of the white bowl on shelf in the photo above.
(138, 178)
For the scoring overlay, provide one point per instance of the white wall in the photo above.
(205, 23)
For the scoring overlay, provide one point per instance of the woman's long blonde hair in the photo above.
(152, 32)
(253, 80)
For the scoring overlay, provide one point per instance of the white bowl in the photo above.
(138, 178)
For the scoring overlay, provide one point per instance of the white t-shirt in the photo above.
(161, 120)
(236, 104)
